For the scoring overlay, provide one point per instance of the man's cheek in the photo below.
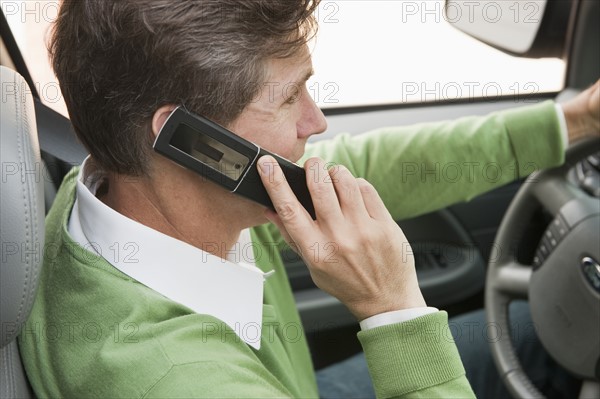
(285, 149)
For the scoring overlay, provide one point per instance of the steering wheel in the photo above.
(563, 281)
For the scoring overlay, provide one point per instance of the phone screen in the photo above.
(209, 151)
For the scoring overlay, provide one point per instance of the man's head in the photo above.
(118, 62)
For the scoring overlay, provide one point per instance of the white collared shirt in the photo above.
(230, 290)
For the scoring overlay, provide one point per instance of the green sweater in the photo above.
(95, 332)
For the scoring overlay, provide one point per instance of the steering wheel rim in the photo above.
(507, 278)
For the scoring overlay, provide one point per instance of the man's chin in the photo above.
(260, 217)
(297, 156)
(253, 211)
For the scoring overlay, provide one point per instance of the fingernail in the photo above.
(265, 163)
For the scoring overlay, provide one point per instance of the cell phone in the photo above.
(225, 158)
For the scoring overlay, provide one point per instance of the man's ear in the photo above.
(160, 116)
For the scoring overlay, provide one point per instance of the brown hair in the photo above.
(118, 61)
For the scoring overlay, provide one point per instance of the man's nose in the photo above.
(312, 121)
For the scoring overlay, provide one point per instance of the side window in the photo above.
(370, 52)
(367, 52)
(30, 23)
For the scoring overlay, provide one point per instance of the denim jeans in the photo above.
(350, 378)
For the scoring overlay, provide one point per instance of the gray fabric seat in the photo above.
(22, 225)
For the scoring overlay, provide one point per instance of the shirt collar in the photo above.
(230, 290)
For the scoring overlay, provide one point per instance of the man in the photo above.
(150, 280)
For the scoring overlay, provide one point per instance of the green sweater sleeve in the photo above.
(425, 167)
(415, 359)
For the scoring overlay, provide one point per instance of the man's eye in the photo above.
(292, 99)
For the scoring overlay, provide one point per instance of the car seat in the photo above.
(22, 225)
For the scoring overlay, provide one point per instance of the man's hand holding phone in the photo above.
(354, 249)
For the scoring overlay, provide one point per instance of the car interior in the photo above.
(457, 267)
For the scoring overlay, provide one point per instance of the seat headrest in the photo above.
(22, 200)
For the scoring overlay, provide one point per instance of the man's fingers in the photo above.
(276, 220)
(322, 192)
(291, 213)
(373, 202)
(594, 104)
(348, 192)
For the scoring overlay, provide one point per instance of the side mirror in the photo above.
(533, 28)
